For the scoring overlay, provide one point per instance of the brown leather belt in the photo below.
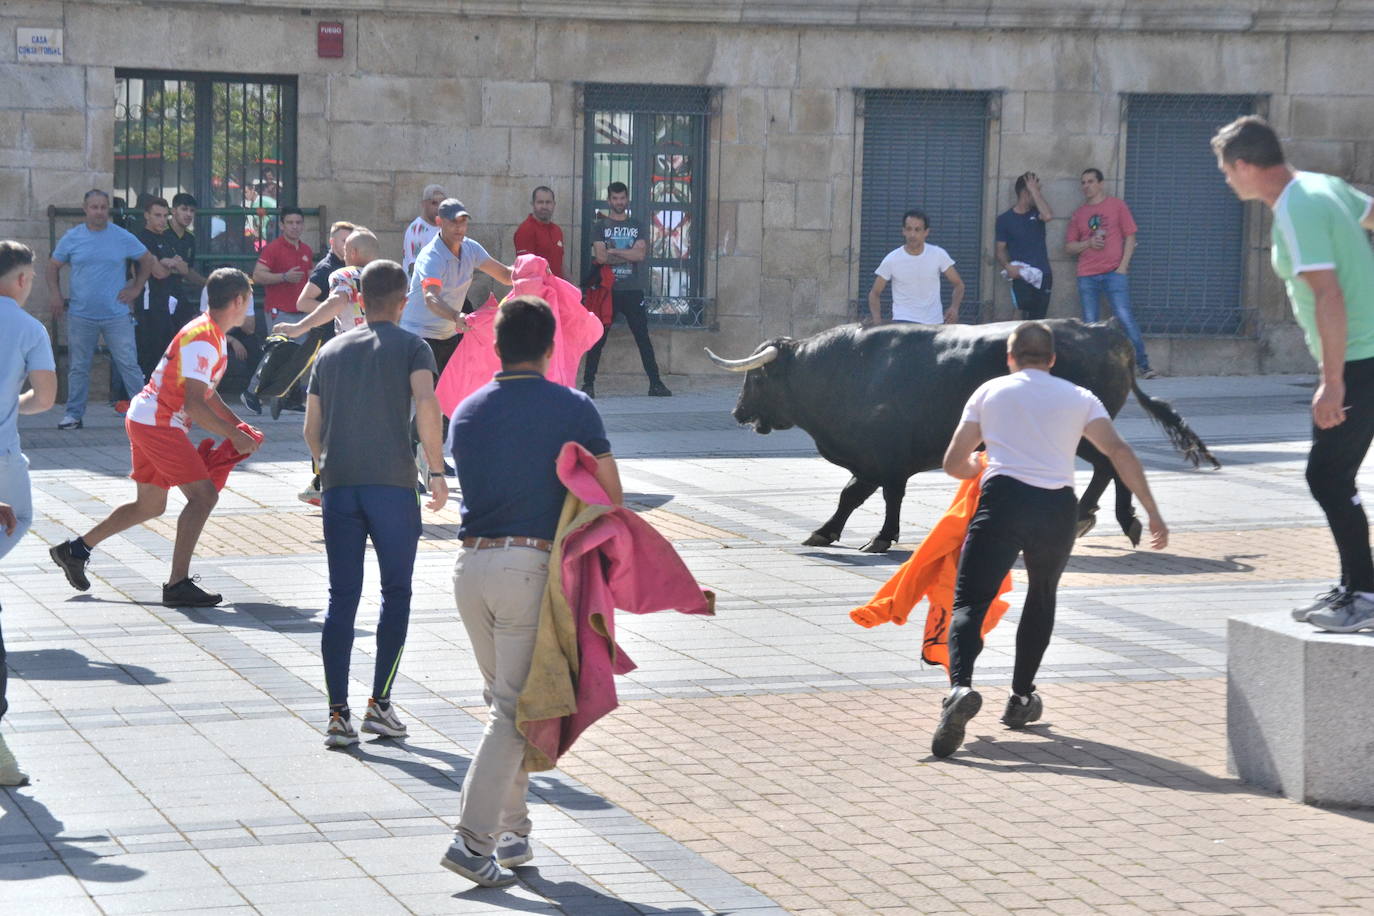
(489, 543)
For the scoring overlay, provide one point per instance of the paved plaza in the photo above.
(771, 759)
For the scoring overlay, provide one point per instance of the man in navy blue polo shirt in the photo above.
(505, 438)
(1021, 245)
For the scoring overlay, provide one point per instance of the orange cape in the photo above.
(930, 573)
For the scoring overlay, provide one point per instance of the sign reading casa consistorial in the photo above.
(38, 46)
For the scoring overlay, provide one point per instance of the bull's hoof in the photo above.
(820, 539)
(877, 545)
(1085, 525)
(1133, 531)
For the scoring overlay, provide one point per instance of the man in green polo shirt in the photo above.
(1322, 254)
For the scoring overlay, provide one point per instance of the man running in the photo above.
(1031, 423)
(343, 305)
(1321, 253)
(181, 391)
(357, 424)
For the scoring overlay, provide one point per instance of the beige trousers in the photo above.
(498, 591)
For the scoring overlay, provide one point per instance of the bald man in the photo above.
(344, 304)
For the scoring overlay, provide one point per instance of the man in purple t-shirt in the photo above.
(1102, 236)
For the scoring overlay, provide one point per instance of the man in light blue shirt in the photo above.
(25, 353)
(101, 299)
(443, 273)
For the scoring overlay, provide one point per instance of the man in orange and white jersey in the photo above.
(180, 392)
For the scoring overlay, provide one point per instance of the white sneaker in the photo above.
(10, 775)
(512, 849)
(340, 732)
(1351, 615)
(380, 721)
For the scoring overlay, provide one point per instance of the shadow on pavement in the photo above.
(574, 898)
(258, 615)
(70, 665)
(1070, 755)
(1125, 561)
(84, 864)
(450, 778)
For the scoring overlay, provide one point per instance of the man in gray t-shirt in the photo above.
(621, 241)
(357, 424)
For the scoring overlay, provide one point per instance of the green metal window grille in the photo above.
(229, 139)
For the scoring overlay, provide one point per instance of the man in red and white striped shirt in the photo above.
(180, 392)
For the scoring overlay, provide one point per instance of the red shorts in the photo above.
(163, 456)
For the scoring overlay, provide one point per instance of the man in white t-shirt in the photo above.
(424, 227)
(1031, 423)
(914, 270)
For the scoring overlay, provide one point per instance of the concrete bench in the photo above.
(1300, 710)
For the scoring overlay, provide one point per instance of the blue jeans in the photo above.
(14, 489)
(82, 336)
(391, 517)
(1118, 291)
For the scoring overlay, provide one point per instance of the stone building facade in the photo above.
(487, 97)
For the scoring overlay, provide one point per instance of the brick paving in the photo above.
(770, 759)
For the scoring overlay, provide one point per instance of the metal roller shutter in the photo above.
(1186, 275)
(924, 149)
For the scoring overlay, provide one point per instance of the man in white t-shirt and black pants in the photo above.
(1031, 423)
(914, 270)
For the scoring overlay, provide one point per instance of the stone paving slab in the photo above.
(174, 750)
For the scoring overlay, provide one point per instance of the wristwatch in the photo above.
(434, 474)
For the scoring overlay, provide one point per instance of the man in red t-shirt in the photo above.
(1102, 236)
(284, 266)
(539, 234)
(180, 392)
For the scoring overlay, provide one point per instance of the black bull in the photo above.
(883, 402)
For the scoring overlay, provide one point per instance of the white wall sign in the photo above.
(39, 46)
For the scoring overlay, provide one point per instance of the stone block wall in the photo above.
(485, 103)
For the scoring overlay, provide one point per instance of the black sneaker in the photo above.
(187, 593)
(659, 390)
(250, 400)
(71, 565)
(1022, 711)
(274, 407)
(589, 389)
(960, 706)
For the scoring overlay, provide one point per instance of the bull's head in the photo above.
(763, 399)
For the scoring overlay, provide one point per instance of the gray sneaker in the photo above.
(1325, 600)
(1351, 615)
(1022, 711)
(480, 870)
(960, 706)
(512, 849)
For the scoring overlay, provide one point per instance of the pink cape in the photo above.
(475, 361)
(615, 560)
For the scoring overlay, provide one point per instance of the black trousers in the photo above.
(1031, 302)
(152, 333)
(1013, 518)
(630, 303)
(1335, 459)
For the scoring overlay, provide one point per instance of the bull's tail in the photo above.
(1178, 431)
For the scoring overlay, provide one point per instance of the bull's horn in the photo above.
(761, 358)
